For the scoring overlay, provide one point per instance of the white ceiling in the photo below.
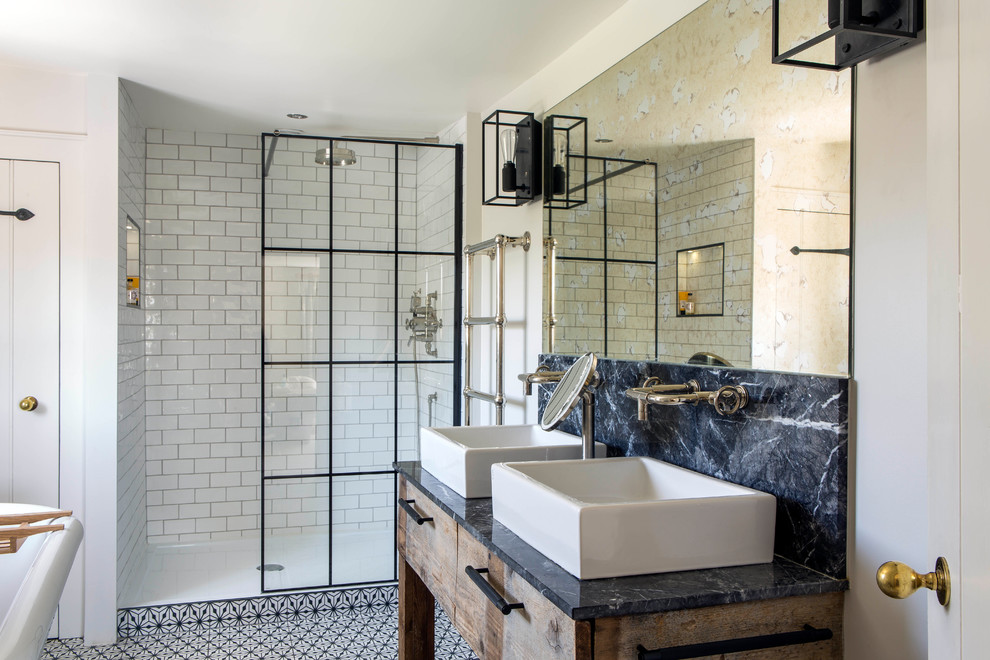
(385, 67)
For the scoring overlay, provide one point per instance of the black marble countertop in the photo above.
(640, 594)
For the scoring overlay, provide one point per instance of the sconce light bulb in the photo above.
(558, 176)
(507, 142)
(560, 148)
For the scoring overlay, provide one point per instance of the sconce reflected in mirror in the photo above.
(132, 270)
(836, 34)
(511, 148)
(565, 162)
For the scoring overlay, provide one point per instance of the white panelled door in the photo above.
(29, 333)
(959, 324)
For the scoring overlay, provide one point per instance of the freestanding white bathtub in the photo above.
(31, 583)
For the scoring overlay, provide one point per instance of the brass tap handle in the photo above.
(729, 399)
(899, 580)
(28, 404)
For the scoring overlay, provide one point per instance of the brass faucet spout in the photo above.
(541, 376)
(727, 400)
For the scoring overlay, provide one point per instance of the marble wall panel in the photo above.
(790, 441)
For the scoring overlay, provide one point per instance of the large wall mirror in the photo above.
(696, 140)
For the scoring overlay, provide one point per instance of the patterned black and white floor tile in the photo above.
(184, 616)
(344, 634)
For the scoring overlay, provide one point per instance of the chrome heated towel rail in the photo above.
(495, 249)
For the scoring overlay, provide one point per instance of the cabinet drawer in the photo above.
(476, 618)
(618, 637)
(541, 629)
(429, 548)
(536, 630)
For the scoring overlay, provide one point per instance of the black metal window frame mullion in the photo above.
(605, 257)
(330, 374)
(395, 375)
(261, 379)
(656, 262)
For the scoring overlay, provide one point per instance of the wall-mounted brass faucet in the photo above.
(727, 400)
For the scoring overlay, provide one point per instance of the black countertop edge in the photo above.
(640, 594)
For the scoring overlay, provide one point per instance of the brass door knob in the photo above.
(29, 403)
(899, 580)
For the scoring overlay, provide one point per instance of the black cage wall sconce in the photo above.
(565, 161)
(511, 158)
(853, 31)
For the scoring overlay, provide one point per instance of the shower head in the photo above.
(339, 156)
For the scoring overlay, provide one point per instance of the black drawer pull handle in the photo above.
(806, 636)
(489, 590)
(413, 513)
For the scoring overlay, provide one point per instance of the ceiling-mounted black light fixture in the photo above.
(565, 161)
(511, 158)
(846, 31)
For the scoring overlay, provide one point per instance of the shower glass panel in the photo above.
(361, 345)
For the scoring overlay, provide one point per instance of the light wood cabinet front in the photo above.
(431, 548)
(618, 637)
(541, 630)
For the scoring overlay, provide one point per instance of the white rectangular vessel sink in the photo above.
(612, 517)
(462, 456)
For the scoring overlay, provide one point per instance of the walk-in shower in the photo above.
(360, 344)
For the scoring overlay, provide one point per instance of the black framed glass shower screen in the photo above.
(361, 305)
(607, 259)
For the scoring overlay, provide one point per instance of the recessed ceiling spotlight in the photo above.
(297, 115)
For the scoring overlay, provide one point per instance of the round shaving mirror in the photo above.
(568, 391)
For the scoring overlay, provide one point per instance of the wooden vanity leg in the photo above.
(415, 616)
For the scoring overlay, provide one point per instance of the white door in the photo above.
(29, 333)
(959, 324)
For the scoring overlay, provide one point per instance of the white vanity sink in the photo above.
(462, 456)
(628, 516)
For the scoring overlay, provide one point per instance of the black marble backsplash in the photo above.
(790, 441)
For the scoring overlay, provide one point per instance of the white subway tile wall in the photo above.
(131, 491)
(202, 335)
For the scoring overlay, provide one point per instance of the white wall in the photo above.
(131, 410)
(888, 476)
(72, 119)
(99, 386)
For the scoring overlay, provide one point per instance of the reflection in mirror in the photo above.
(133, 268)
(747, 154)
(606, 262)
(701, 280)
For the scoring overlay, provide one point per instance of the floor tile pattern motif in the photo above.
(343, 624)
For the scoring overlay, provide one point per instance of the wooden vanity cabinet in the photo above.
(435, 554)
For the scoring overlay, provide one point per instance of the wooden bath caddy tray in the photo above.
(16, 527)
